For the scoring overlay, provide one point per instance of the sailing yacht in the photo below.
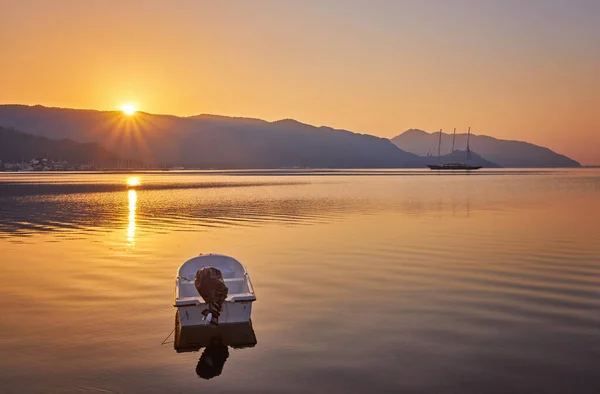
(454, 166)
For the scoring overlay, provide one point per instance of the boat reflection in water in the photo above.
(215, 341)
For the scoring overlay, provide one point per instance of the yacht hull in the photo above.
(453, 167)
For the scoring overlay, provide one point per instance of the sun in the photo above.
(128, 109)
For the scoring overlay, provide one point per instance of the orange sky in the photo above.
(511, 69)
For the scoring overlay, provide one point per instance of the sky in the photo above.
(515, 69)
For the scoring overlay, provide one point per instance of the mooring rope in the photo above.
(168, 336)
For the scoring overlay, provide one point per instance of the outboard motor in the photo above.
(211, 287)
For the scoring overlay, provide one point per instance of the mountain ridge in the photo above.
(217, 141)
(17, 146)
(506, 153)
(211, 142)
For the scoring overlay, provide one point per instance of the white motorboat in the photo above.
(240, 296)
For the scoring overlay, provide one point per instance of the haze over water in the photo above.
(367, 281)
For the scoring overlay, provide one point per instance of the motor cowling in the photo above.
(211, 287)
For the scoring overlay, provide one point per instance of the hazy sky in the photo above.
(519, 69)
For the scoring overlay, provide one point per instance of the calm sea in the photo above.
(367, 281)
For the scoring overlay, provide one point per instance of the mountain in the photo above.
(459, 156)
(209, 141)
(16, 146)
(503, 152)
(228, 119)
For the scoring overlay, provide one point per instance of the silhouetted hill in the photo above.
(16, 146)
(229, 119)
(209, 141)
(503, 152)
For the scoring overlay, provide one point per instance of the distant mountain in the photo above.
(16, 146)
(459, 156)
(212, 141)
(228, 119)
(209, 141)
(503, 152)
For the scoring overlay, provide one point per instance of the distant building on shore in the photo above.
(38, 164)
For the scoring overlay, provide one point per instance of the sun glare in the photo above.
(132, 197)
(133, 181)
(128, 109)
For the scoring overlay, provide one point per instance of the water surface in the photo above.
(367, 281)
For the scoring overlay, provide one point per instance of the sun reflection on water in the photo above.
(133, 181)
(132, 197)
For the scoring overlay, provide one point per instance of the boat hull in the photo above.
(232, 313)
(453, 167)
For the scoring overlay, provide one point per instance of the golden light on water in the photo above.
(132, 198)
(133, 181)
(128, 109)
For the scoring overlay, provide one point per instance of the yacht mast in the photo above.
(468, 144)
(440, 146)
(453, 139)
